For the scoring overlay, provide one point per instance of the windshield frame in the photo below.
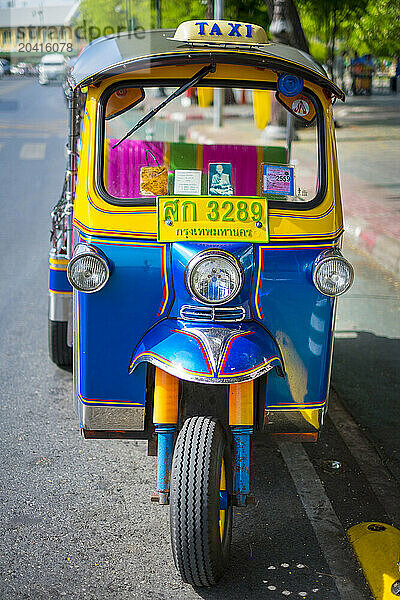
(216, 83)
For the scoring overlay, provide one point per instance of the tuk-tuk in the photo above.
(194, 270)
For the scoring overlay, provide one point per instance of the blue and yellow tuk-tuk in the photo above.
(194, 270)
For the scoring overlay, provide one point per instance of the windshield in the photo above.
(260, 150)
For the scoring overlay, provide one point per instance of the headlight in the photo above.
(332, 273)
(87, 270)
(214, 277)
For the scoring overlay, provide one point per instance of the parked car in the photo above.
(52, 67)
(5, 66)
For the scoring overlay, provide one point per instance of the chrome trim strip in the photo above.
(60, 307)
(211, 313)
(291, 421)
(185, 375)
(109, 418)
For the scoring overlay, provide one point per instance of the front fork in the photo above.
(165, 418)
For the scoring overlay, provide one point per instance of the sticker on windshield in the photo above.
(220, 179)
(187, 182)
(154, 181)
(278, 180)
(300, 107)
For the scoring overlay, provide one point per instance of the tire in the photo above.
(60, 352)
(200, 532)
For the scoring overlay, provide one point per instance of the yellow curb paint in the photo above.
(377, 547)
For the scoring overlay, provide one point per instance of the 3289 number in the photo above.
(227, 212)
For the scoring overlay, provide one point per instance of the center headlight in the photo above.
(214, 277)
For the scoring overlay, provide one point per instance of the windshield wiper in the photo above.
(195, 79)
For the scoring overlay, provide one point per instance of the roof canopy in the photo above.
(127, 52)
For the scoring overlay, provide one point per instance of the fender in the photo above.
(218, 354)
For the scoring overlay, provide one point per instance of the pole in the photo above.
(218, 92)
(158, 14)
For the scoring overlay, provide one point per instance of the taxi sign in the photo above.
(220, 32)
(212, 219)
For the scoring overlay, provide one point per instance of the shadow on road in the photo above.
(366, 376)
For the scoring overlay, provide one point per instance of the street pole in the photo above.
(218, 92)
(281, 30)
(158, 14)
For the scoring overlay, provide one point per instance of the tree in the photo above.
(327, 20)
(101, 17)
(378, 30)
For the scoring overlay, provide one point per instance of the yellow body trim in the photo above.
(166, 388)
(241, 410)
(96, 216)
(58, 261)
(377, 547)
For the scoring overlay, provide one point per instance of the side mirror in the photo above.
(122, 100)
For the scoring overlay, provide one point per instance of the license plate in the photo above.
(209, 219)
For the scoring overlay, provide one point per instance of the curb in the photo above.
(377, 547)
(385, 250)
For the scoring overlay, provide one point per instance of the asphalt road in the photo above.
(76, 516)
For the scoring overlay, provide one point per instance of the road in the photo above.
(76, 516)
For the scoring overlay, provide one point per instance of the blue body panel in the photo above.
(138, 310)
(186, 349)
(300, 318)
(182, 253)
(58, 281)
(111, 320)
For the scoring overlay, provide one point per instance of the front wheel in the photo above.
(201, 511)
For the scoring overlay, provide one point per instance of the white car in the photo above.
(52, 67)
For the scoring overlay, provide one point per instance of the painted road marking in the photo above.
(327, 527)
(33, 151)
(383, 485)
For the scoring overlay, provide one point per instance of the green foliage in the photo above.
(173, 12)
(326, 18)
(365, 26)
(318, 51)
(248, 11)
(101, 17)
(378, 30)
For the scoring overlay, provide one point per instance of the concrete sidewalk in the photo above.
(369, 157)
(368, 139)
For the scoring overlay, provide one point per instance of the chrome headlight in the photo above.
(88, 270)
(332, 273)
(214, 277)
